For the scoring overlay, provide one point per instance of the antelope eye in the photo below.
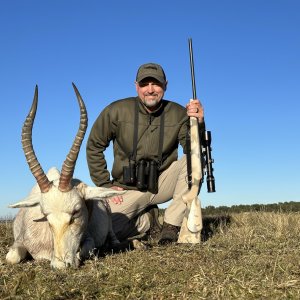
(75, 215)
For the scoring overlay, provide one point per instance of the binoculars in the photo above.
(143, 174)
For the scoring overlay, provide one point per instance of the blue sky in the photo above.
(247, 67)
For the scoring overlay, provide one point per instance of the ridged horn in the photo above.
(31, 158)
(69, 164)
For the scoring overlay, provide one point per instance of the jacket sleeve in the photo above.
(102, 132)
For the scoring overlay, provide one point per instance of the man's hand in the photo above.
(117, 199)
(195, 109)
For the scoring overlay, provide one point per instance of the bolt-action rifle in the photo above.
(199, 162)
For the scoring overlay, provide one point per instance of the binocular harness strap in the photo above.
(132, 156)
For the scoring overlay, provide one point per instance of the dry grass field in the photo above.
(243, 256)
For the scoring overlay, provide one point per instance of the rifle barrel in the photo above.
(192, 68)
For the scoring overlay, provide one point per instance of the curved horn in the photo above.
(69, 164)
(31, 158)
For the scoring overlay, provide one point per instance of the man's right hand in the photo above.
(117, 199)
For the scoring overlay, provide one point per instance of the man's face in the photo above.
(150, 92)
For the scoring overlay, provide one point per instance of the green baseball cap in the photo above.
(151, 70)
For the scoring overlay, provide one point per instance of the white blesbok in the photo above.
(62, 219)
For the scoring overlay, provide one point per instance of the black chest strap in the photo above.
(133, 154)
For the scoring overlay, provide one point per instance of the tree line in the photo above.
(275, 207)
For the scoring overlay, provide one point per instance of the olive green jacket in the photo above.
(116, 123)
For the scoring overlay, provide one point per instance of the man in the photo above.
(146, 131)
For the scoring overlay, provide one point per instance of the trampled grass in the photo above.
(243, 256)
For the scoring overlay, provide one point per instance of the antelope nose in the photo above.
(58, 264)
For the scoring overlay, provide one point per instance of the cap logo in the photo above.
(151, 67)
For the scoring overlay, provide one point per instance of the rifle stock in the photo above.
(190, 231)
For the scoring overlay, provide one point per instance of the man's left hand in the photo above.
(195, 109)
(116, 199)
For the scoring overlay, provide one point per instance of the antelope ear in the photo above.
(89, 192)
(31, 200)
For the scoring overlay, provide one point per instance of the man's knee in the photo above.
(182, 161)
(179, 164)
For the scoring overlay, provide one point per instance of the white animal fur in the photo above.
(57, 226)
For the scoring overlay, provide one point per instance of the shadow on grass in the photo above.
(211, 225)
(124, 246)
